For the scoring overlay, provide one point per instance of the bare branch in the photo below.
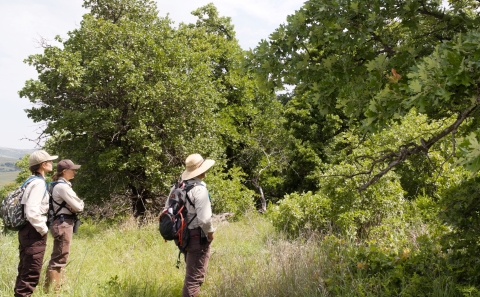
(42, 42)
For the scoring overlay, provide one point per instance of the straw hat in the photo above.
(196, 165)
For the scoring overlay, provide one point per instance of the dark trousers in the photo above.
(32, 248)
(197, 262)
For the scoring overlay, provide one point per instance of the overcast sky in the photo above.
(23, 22)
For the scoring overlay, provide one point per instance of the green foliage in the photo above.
(229, 193)
(250, 120)
(129, 96)
(469, 152)
(339, 206)
(248, 258)
(339, 53)
(355, 212)
(461, 211)
(311, 132)
(368, 65)
(298, 213)
(24, 169)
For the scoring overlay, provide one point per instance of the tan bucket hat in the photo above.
(38, 157)
(196, 165)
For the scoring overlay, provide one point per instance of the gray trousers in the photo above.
(197, 262)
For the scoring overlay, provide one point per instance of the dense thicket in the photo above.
(384, 112)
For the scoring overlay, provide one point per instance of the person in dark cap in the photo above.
(33, 236)
(66, 205)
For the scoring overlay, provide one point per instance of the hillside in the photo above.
(8, 158)
(14, 153)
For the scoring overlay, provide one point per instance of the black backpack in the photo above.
(172, 221)
(52, 214)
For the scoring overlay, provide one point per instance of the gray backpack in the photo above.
(12, 211)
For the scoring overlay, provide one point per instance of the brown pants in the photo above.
(197, 262)
(62, 233)
(32, 248)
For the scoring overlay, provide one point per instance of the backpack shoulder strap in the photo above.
(188, 187)
(30, 179)
(61, 205)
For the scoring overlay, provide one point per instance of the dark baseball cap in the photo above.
(66, 164)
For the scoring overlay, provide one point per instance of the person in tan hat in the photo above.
(33, 236)
(200, 228)
(66, 205)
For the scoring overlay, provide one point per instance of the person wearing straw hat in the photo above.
(66, 205)
(200, 229)
(33, 236)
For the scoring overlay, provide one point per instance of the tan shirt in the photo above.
(35, 198)
(203, 207)
(63, 191)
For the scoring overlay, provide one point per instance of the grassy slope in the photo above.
(248, 259)
(7, 177)
(127, 261)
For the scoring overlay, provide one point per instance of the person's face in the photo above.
(68, 174)
(47, 166)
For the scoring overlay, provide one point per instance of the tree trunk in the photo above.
(262, 200)
(138, 206)
(138, 202)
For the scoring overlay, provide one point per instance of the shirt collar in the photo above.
(61, 179)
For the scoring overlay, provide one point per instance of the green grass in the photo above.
(129, 261)
(248, 259)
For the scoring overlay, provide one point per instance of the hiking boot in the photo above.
(53, 280)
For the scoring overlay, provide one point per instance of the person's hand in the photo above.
(210, 236)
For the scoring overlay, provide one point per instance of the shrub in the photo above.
(461, 211)
(229, 193)
(296, 213)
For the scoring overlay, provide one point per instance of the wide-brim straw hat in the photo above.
(195, 165)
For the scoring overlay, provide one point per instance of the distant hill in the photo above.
(14, 153)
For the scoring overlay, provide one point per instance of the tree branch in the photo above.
(425, 145)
